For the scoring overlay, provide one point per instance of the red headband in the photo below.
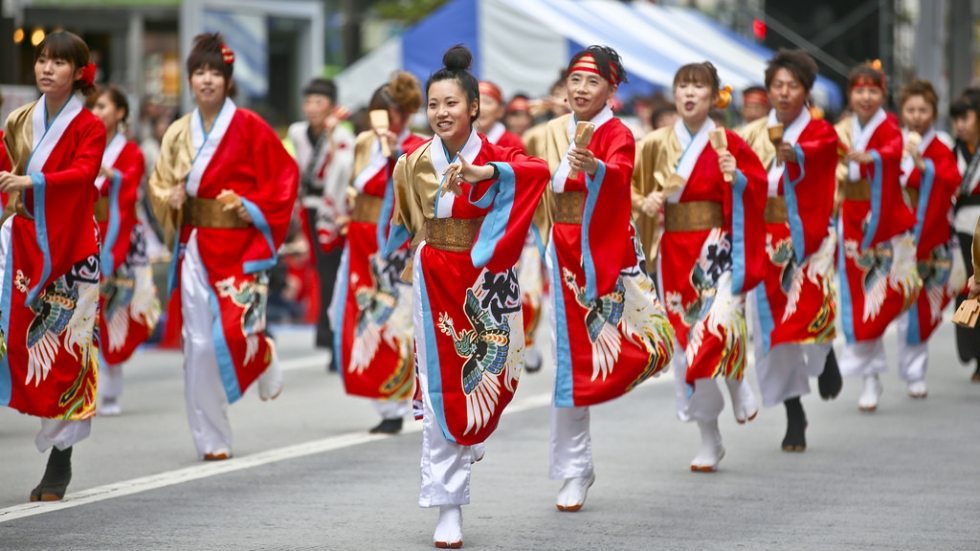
(868, 82)
(490, 89)
(755, 97)
(587, 64)
(519, 104)
(227, 55)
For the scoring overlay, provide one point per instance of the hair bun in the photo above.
(405, 91)
(458, 58)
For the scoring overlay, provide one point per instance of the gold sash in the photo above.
(452, 234)
(102, 209)
(208, 213)
(857, 191)
(776, 212)
(693, 216)
(568, 207)
(367, 208)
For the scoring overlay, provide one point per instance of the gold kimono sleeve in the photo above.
(173, 166)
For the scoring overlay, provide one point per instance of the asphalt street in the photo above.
(306, 476)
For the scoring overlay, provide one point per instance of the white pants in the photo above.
(110, 380)
(705, 403)
(571, 444)
(785, 372)
(912, 358)
(391, 409)
(445, 466)
(207, 403)
(863, 358)
(61, 434)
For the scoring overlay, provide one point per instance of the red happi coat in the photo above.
(250, 161)
(612, 334)
(128, 301)
(796, 303)
(466, 308)
(705, 272)
(51, 272)
(372, 340)
(875, 254)
(935, 250)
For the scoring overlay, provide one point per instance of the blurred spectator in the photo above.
(755, 104)
(518, 118)
(664, 116)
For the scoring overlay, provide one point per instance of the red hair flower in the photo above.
(88, 75)
(227, 55)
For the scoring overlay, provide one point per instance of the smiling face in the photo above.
(109, 112)
(209, 87)
(865, 101)
(693, 101)
(449, 113)
(787, 96)
(588, 94)
(55, 76)
(917, 114)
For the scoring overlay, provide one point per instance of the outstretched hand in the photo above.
(462, 171)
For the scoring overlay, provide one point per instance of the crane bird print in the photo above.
(602, 321)
(250, 297)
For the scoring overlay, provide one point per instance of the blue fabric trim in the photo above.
(433, 373)
(765, 317)
(112, 232)
(793, 207)
(341, 300)
(538, 240)
(925, 190)
(172, 269)
(388, 203)
(6, 381)
(875, 202)
(738, 232)
(258, 220)
(226, 366)
(397, 234)
(847, 319)
(41, 228)
(914, 336)
(564, 398)
(592, 184)
(494, 226)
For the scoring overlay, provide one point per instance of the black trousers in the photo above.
(327, 265)
(967, 339)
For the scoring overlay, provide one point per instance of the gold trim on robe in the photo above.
(657, 156)
(173, 166)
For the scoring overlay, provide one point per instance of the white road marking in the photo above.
(206, 470)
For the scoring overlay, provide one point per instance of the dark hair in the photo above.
(206, 52)
(699, 73)
(606, 60)
(455, 66)
(560, 83)
(865, 71)
(969, 100)
(401, 92)
(920, 88)
(116, 96)
(322, 86)
(69, 47)
(797, 62)
(660, 112)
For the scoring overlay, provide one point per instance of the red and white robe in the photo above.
(939, 264)
(50, 265)
(795, 310)
(611, 333)
(373, 335)
(875, 250)
(130, 309)
(242, 154)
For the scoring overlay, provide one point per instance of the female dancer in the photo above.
(373, 340)
(129, 306)
(49, 258)
(611, 333)
(711, 252)
(875, 250)
(226, 186)
(794, 310)
(931, 179)
(474, 201)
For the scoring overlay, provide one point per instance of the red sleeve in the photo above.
(746, 207)
(890, 215)
(945, 177)
(812, 184)
(509, 139)
(276, 175)
(131, 166)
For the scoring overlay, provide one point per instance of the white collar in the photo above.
(46, 137)
(860, 137)
(692, 145)
(495, 132)
(564, 169)
(206, 144)
(440, 162)
(791, 135)
(908, 164)
(111, 154)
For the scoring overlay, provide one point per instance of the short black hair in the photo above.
(322, 86)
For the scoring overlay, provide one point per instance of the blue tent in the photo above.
(522, 44)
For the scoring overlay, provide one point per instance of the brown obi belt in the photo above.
(913, 195)
(367, 208)
(776, 212)
(857, 191)
(102, 209)
(208, 213)
(568, 207)
(452, 234)
(693, 216)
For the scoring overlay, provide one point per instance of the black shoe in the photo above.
(56, 477)
(388, 426)
(795, 440)
(830, 381)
